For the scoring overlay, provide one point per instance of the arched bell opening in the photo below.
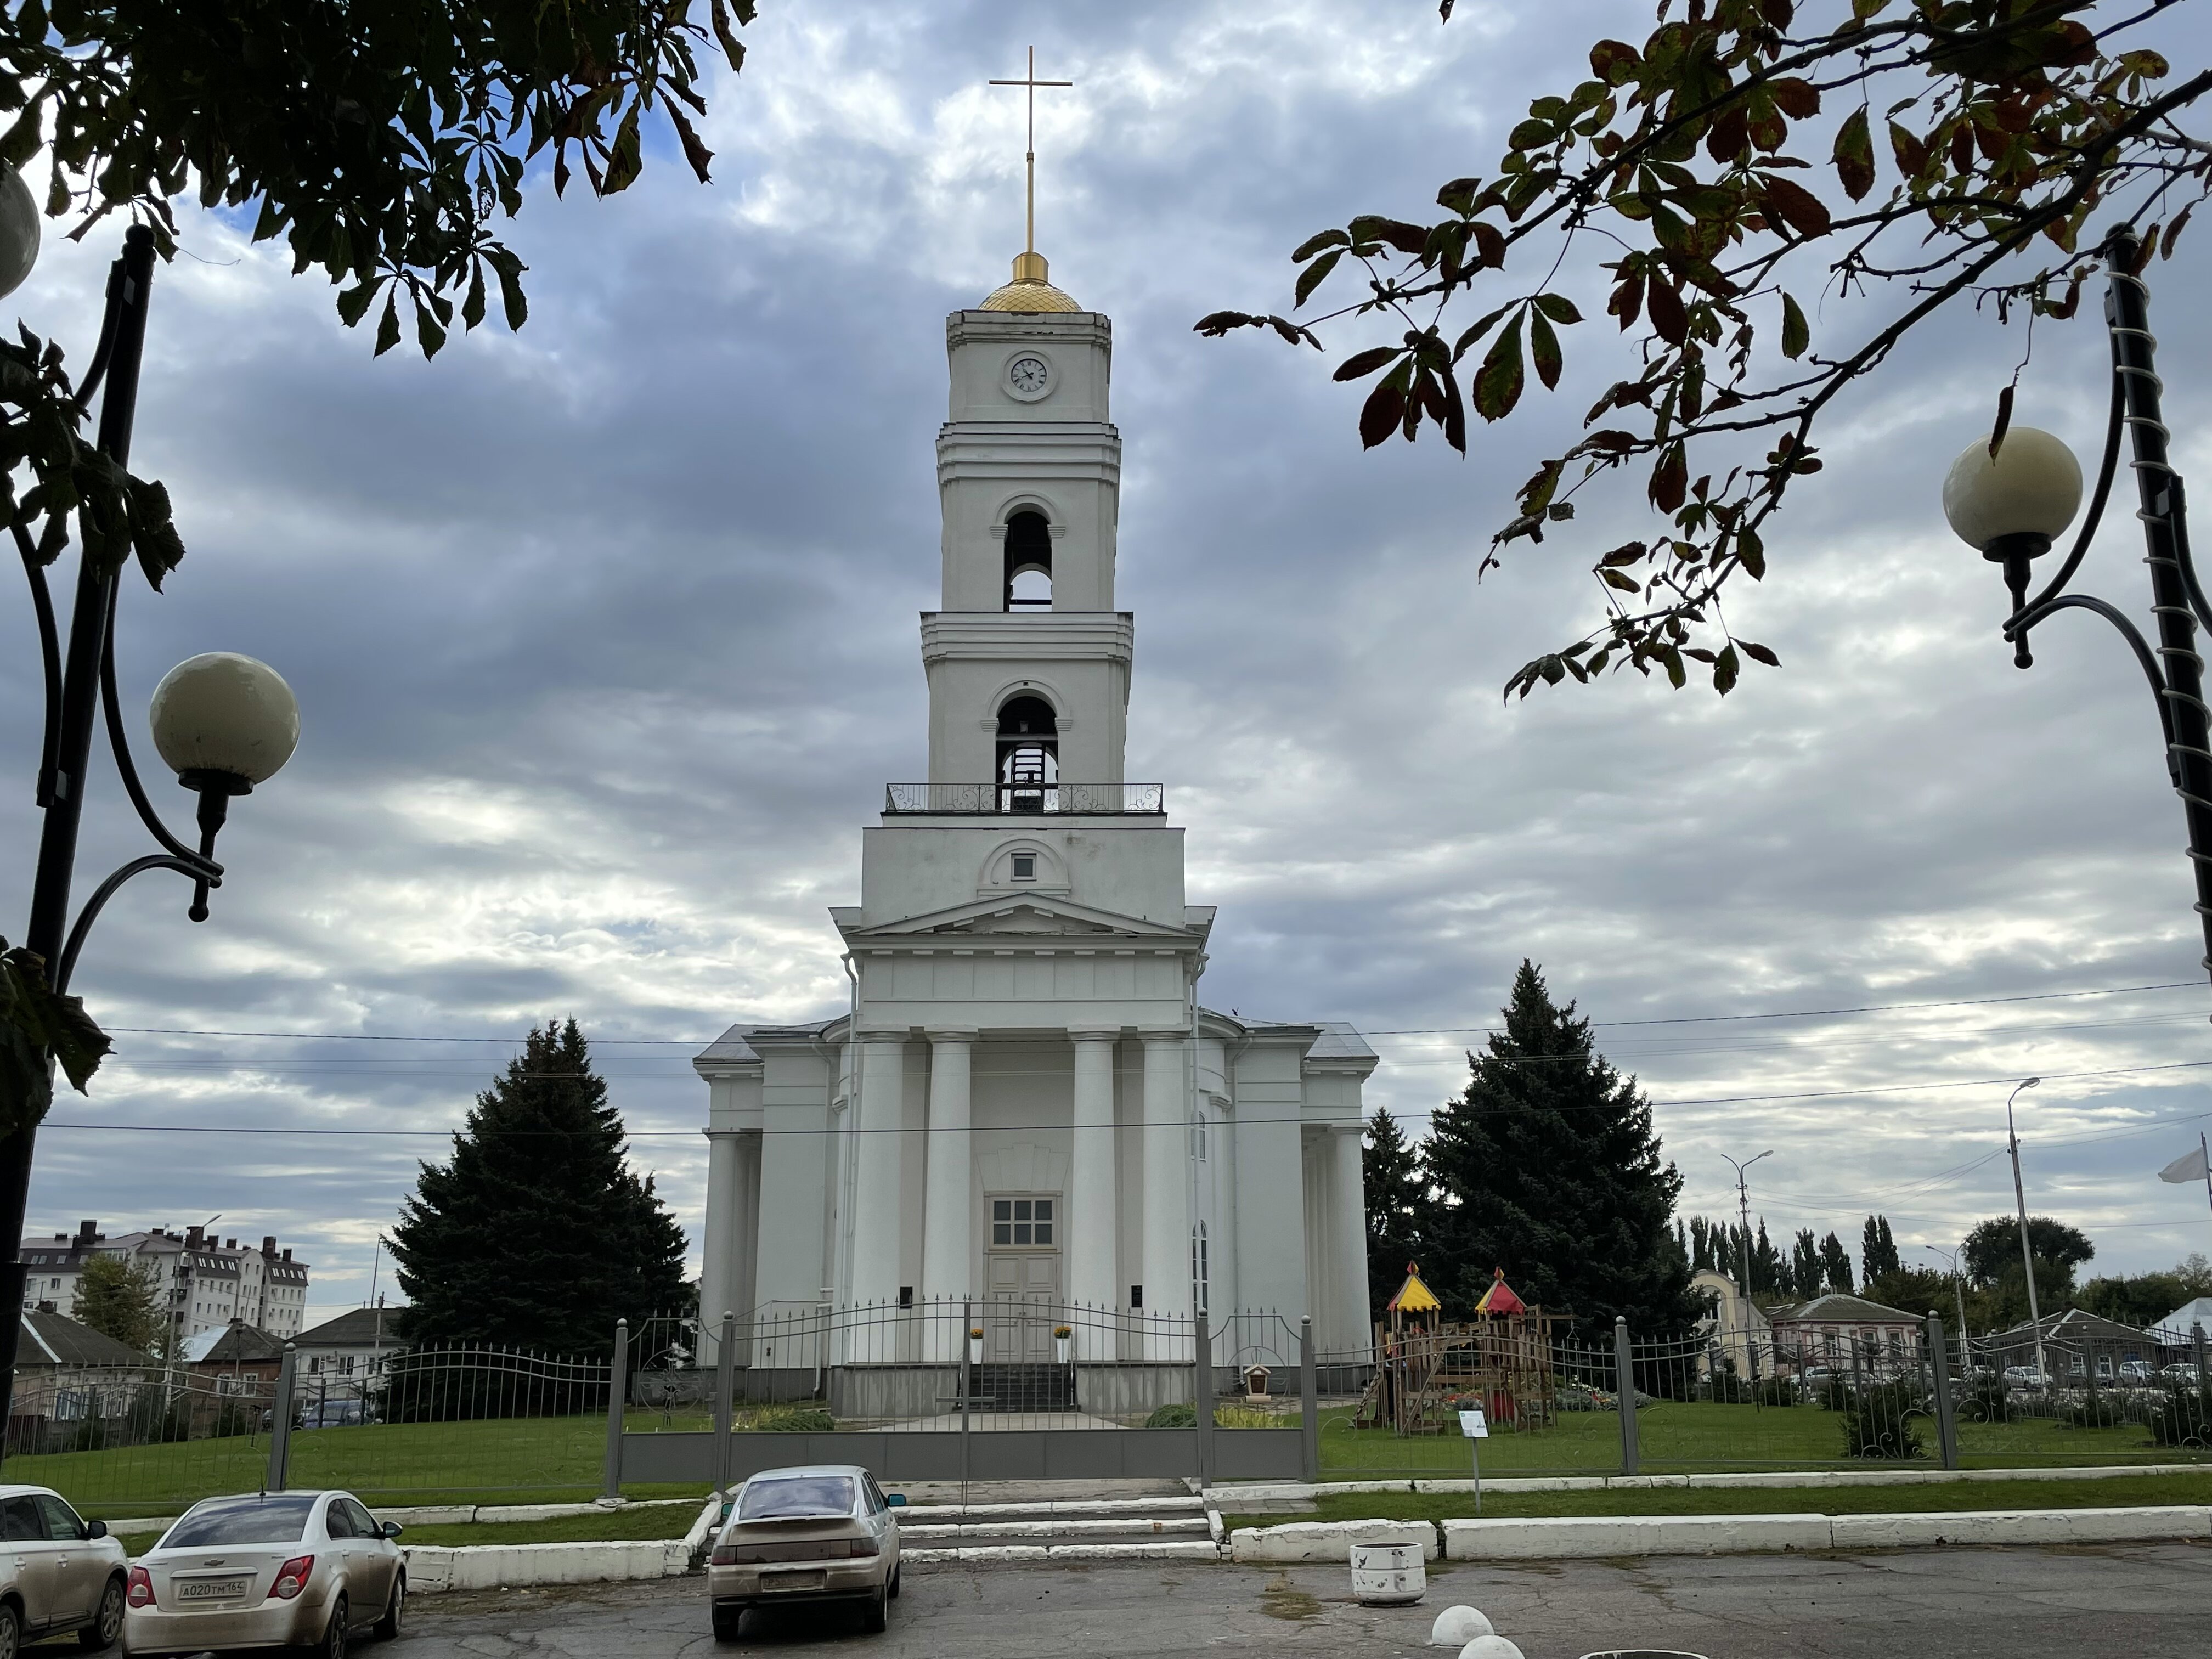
(1028, 754)
(1029, 561)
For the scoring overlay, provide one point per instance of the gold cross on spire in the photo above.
(1032, 83)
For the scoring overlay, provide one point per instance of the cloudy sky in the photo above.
(604, 638)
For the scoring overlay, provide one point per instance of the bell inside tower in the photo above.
(1029, 755)
(1029, 561)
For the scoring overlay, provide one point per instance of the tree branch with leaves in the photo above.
(1739, 161)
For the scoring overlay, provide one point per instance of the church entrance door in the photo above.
(1022, 1281)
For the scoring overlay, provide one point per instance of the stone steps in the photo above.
(1062, 1529)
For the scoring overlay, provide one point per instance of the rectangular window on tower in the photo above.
(1025, 866)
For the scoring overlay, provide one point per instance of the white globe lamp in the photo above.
(19, 231)
(224, 722)
(2014, 503)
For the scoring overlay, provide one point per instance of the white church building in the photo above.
(1027, 1108)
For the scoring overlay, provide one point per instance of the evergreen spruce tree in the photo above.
(1548, 1168)
(536, 1234)
(1397, 1195)
(119, 1299)
(1769, 1276)
(1878, 1255)
(1805, 1270)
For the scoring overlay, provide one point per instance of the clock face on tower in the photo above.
(1029, 377)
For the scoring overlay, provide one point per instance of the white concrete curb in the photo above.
(1085, 1506)
(1194, 1549)
(1879, 1532)
(1162, 1525)
(432, 1568)
(1567, 1537)
(1327, 1541)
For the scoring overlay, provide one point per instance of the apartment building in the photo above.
(205, 1282)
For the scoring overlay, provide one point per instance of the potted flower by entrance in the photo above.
(976, 1345)
(1062, 1337)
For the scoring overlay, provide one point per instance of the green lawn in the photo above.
(505, 1461)
(2120, 1491)
(1675, 1437)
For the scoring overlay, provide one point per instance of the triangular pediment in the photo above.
(1028, 915)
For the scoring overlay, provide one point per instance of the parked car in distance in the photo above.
(273, 1570)
(2024, 1376)
(2181, 1373)
(58, 1572)
(2137, 1372)
(820, 1534)
(331, 1414)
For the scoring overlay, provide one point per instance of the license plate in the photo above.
(209, 1589)
(795, 1580)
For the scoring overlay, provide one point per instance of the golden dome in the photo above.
(1031, 290)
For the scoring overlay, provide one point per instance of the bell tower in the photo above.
(1028, 662)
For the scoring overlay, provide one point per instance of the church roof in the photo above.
(1340, 1039)
(730, 1046)
(1031, 290)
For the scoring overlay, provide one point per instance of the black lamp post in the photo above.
(223, 722)
(2014, 506)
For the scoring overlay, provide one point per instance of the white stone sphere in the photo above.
(2033, 485)
(19, 231)
(1490, 1647)
(220, 712)
(1456, 1626)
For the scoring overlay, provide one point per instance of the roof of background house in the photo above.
(1838, 1309)
(53, 1338)
(2176, 1326)
(236, 1344)
(357, 1327)
(2074, 1322)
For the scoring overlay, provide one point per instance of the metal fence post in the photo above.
(1946, 1416)
(726, 1377)
(2196, 1342)
(1309, 1403)
(1624, 1379)
(1201, 1372)
(967, 1389)
(280, 1422)
(617, 1397)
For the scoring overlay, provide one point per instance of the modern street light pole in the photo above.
(2014, 497)
(1958, 1290)
(1743, 1212)
(2026, 1254)
(223, 722)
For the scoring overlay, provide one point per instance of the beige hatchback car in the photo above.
(819, 1533)
(58, 1573)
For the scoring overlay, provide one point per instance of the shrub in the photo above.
(1879, 1422)
(1726, 1388)
(2182, 1417)
(2096, 1411)
(1174, 1417)
(1777, 1391)
(1987, 1400)
(1250, 1417)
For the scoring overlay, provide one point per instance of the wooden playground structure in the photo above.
(1430, 1369)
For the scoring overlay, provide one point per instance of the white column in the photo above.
(1348, 1240)
(1088, 1207)
(876, 1230)
(1166, 1178)
(715, 1252)
(948, 1237)
(745, 1242)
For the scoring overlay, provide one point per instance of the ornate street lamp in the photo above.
(222, 722)
(2014, 503)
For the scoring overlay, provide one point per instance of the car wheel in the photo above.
(388, 1626)
(333, 1644)
(108, 1624)
(11, 1631)
(895, 1581)
(876, 1611)
(727, 1621)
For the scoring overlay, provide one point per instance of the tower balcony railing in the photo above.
(1015, 799)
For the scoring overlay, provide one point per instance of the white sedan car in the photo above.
(279, 1569)
(57, 1572)
(819, 1533)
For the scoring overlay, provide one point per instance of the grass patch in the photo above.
(2121, 1491)
(1676, 1437)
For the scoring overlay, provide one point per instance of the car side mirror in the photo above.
(95, 1529)
(392, 1530)
(896, 1499)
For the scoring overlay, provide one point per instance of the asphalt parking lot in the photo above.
(2146, 1601)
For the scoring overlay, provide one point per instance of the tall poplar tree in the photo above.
(1548, 1168)
(536, 1233)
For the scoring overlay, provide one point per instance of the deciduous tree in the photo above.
(1739, 178)
(119, 1299)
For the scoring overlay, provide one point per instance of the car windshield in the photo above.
(796, 1495)
(279, 1518)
